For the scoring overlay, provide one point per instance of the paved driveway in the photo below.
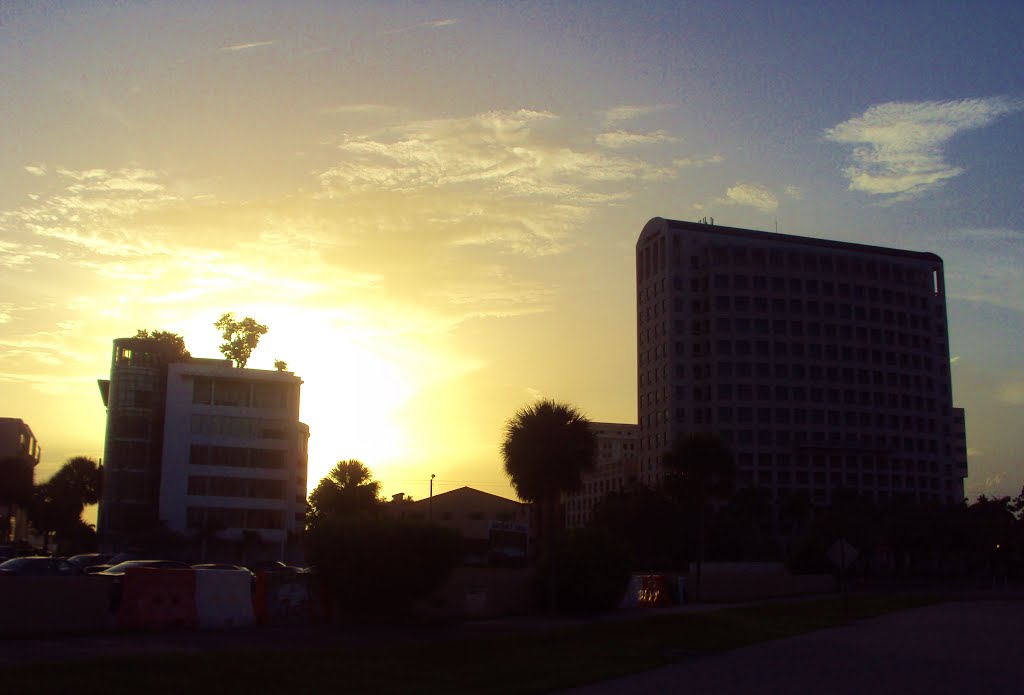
(969, 647)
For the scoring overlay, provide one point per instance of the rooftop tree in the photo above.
(241, 337)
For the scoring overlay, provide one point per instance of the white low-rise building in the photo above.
(234, 458)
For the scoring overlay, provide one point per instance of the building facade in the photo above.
(18, 447)
(211, 453)
(134, 397)
(823, 364)
(234, 461)
(615, 469)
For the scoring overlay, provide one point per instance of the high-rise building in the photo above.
(20, 450)
(615, 469)
(823, 364)
(213, 453)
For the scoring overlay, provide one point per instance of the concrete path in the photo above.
(967, 647)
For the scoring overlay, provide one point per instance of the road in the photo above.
(964, 647)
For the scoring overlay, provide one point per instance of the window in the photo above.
(202, 390)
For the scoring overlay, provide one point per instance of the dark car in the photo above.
(38, 566)
(273, 566)
(87, 561)
(115, 574)
(119, 569)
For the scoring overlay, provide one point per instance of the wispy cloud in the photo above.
(246, 46)
(500, 168)
(435, 24)
(617, 139)
(689, 162)
(898, 146)
(627, 112)
(35, 170)
(752, 195)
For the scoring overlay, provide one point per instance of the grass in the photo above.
(531, 662)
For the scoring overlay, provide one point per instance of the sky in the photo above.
(434, 205)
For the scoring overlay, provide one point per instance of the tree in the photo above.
(80, 479)
(280, 365)
(347, 491)
(56, 505)
(702, 470)
(241, 337)
(173, 344)
(649, 523)
(15, 489)
(547, 448)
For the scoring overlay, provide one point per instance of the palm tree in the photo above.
(703, 471)
(547, 448)
(348, 490)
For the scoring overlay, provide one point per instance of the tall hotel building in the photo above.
(823, 364)
(214, 453)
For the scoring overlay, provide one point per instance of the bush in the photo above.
(380, 566)
(587, 572)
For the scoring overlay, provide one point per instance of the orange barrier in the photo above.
(155, 599)
(286, 598)
(654, 591)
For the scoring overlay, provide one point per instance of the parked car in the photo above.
(220, 566)
(38, 566)
(89, 560)
(273, 566)
(115, 575)
(119, 569)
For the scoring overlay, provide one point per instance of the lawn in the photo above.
(525, 662)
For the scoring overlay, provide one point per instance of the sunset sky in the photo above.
(434, 205)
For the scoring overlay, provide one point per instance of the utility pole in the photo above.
(430, 504)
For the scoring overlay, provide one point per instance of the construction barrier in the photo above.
(224, 598)
(286, 598)
(153, 599)
(655, 591)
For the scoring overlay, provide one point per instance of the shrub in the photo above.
(380, 566)
(587, 572)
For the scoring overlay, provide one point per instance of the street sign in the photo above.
(842, 554)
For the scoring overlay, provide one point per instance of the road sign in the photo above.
(842, 554)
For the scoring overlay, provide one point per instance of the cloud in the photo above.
(794, 192)
(1012, 391)
(954, 359)
(750, 194)
(503, 180)
(246, 46)
(628, 113)
(898, 146)
(617, 139)
(687, 162)
(435, 24)
(35, 170)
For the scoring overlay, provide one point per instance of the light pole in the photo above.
(430, 504)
